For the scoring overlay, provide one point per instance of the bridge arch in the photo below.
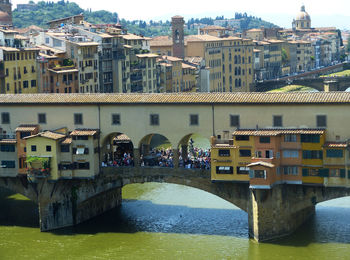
(192, 148)
(156, 150)
(117, 149)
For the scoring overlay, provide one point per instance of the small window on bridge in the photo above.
(8, 164)
(243, 170)
(154, 119)
(334, 153)
(194, 120)
(265, 139)
(277, 121)
(234, 121)
(321, 121)
(224, 170)
(260, 174)
(224, 152)
(242, 137)
(5, 118)
(116, 119)
(245, 153)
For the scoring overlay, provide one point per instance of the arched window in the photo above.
(239, 83)
(223, 68)
(236, 71)
(236, 60)
(230, 80)
(230, 68)
(236, 83)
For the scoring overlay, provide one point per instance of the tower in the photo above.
(5, 12)
(177, 24)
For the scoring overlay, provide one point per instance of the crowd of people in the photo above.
(125, 160)
(193, 158)
(197, 158)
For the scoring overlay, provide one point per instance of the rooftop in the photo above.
(180, 98)
(49, 135)
(276, 132)
(84, 132)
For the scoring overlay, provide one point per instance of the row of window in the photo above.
(277, 121)
(321, 120)
(306, 154)
(8, 164)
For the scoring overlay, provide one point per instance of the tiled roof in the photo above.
(68, 140)
(8, 141)
(265, 164)
(122, 137)
(84, 132)
(180, 98)
(26, 128)
(48, 134)
(276, 132)
(336, 145)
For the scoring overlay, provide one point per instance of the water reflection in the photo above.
(169, 221)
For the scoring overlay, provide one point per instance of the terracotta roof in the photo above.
(336, 145)
(276, 132)
(84, 132)
(147, 55)
(186, 66)
(171, 58)
(8, 141)
(180, 98)
(63, 71)
(132, 37)
(122, 137)
(265, 164)
(68, 140)
(161, 41)
(48, 134)
(26, 128)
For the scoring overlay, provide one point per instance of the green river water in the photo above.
(165, 221)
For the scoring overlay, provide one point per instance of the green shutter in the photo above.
(323, 172)
(342, 173)
(305, 172)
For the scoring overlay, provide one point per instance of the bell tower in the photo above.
(6, 6)
(6, 9)
(177, 24)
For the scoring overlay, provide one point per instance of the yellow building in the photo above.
(175, 75)
(43, 155)
(85, 55)
(18, 73)
(336, 161)
(229, 60)
(312, 157)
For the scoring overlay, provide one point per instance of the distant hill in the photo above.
(47, 11)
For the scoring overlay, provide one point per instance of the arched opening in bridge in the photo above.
(17, 210)
(173, 208)
(117, 150)
(331, 221)
(156, 150)
(194, 152)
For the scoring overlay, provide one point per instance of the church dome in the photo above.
(303, 15)
(5, 18)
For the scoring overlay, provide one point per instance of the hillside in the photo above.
(47, 11)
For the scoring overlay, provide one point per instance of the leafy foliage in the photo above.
(47, 11)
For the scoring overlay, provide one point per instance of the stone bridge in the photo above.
(272, 213)
(321, 84)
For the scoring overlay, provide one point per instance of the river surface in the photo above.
(166, 221)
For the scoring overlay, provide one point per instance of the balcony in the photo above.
(39, 173)
(39, 167)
